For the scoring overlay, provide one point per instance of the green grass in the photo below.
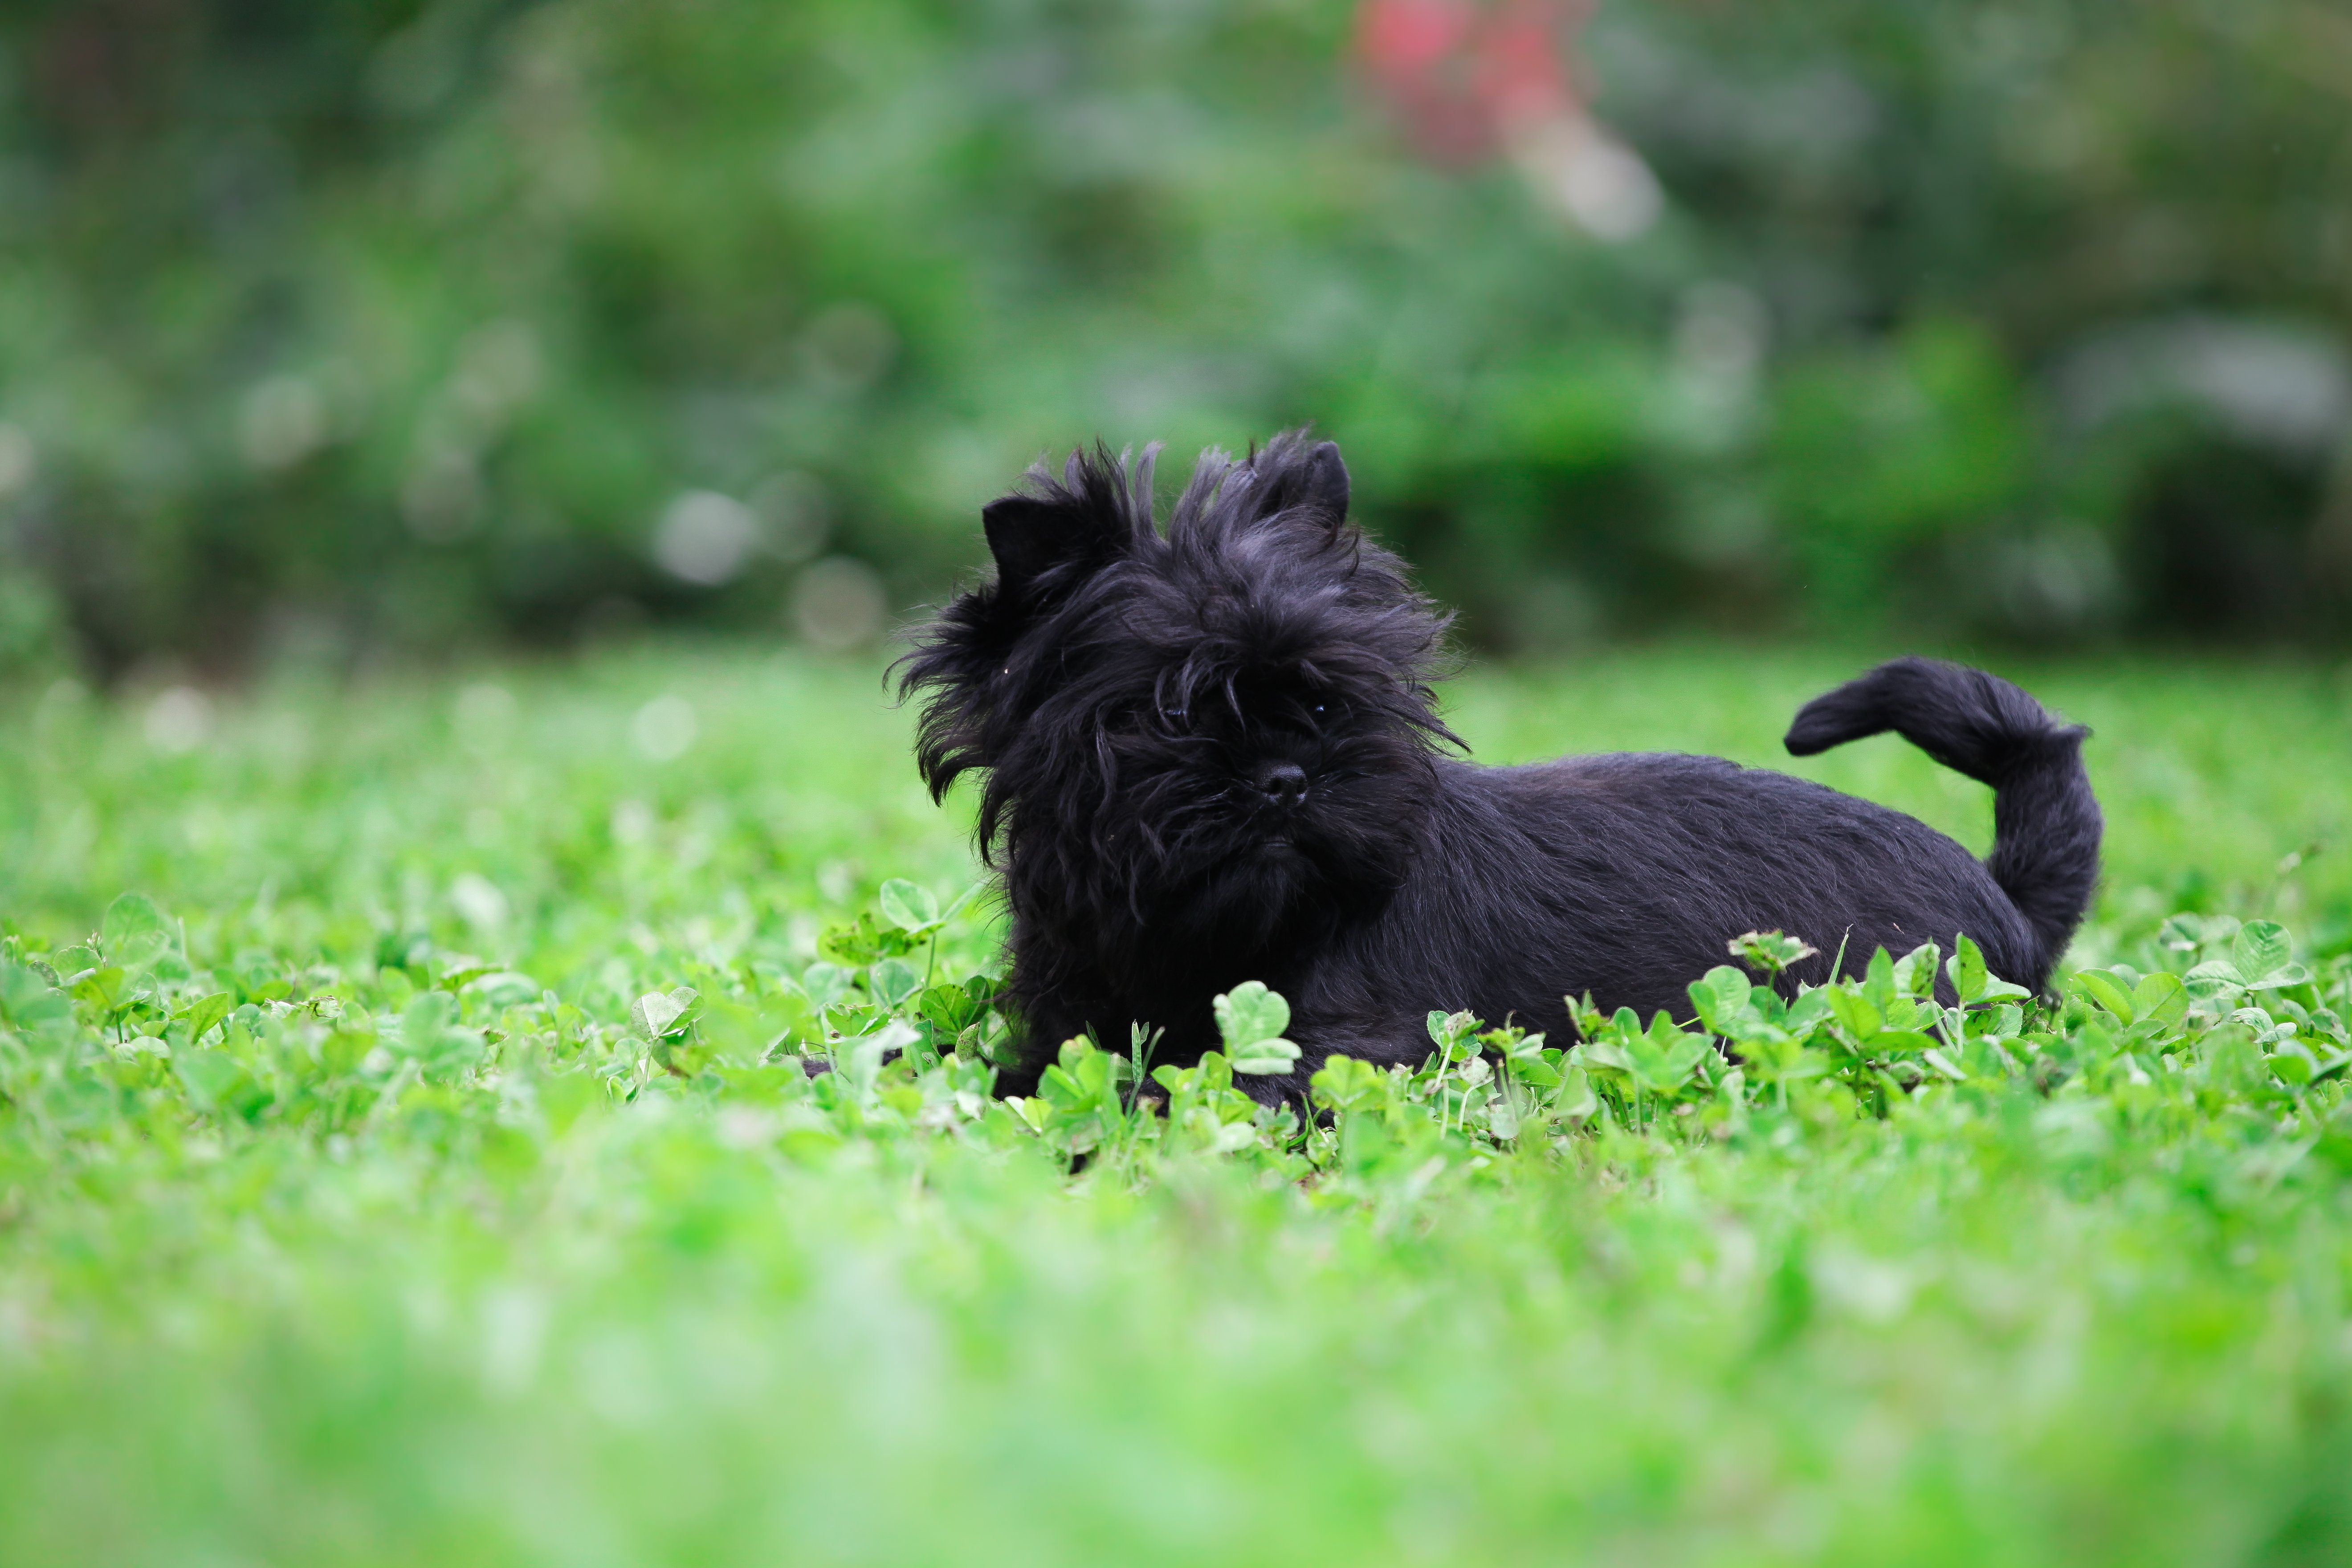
(501, 1279)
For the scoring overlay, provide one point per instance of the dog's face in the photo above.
(1209, 734)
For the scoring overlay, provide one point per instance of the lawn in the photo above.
(378, 1194)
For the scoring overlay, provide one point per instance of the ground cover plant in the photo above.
(413, 1167)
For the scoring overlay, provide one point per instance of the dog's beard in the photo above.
(1186, 858)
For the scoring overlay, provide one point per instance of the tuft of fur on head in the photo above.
(1191, 741)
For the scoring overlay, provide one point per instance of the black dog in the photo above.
(1213, 756)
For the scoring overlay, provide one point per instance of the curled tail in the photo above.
(2046, 823)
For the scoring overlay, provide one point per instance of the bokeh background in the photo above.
(347, 331)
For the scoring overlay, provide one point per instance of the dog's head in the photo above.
(1214, 728)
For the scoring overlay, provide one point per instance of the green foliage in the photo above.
(337, 329)
(324, 1061)
(2134, 1095)
(359, 1220)
(1250, 1021)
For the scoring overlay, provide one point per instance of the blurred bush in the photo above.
(330, 329)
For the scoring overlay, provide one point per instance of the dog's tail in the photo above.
(2046, 823)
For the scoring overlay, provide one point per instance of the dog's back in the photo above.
(1627, 875)
(1632, 872)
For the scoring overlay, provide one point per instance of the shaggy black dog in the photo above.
(1212, 755)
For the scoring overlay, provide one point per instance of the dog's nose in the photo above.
(1284, 783)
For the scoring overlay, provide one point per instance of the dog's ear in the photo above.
(1030, 537)
(1057, 532)
(1322, 482)
(1317, 481)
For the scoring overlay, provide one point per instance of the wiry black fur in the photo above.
(1214, 755)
